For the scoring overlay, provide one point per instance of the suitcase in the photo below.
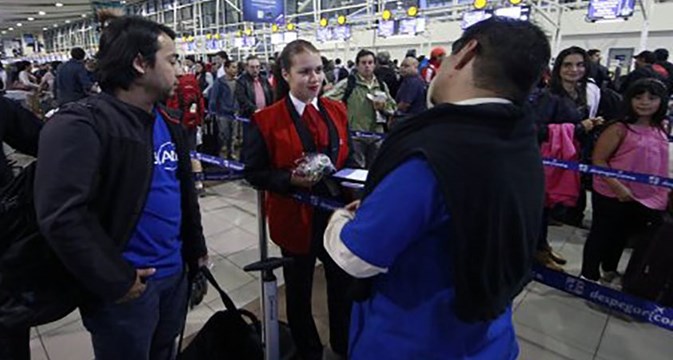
(649, 273)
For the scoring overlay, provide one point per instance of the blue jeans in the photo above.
(225, 125)
(142, 329)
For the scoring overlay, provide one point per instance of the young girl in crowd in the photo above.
(621, 209)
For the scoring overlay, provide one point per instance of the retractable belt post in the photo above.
(269, 298)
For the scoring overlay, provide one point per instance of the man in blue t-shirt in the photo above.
(445, 234)
(115, 197)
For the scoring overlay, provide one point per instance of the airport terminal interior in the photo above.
(599, 279)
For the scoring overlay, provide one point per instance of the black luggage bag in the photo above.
(650, 270)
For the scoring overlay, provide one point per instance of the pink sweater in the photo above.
(644, 149)
(561, 186)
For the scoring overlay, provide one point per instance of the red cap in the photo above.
(437, 52)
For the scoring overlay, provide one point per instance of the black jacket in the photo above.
(20, 129)
(73, 82)
(637, 74)
(387, 74)
(93, 176)
(245, 94)
(601, 75)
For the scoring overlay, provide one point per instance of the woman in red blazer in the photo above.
(301, 122)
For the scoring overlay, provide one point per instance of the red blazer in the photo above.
(290, 222)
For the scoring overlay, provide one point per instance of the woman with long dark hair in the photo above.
(301, 122)
(570, 80)
(638, 143)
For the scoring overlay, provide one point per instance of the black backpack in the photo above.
(233, 334)
(35, 288)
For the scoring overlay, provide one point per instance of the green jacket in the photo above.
(361, 113)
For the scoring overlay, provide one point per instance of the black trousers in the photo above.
(542, 241)
(298, 290)
(574, 216)
(15, 345)
(613, 223)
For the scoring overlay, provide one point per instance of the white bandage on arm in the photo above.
(341, 254)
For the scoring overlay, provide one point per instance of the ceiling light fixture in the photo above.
(67, 21)
(44, 29)
(11, 29)
(42, 13)
(59, 5)
(31, 18)
(83, 15)
(4, 32)
(19, 24)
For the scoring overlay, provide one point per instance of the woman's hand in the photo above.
(623, 193)
(588, 124)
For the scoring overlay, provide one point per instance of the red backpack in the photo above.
(188, 98)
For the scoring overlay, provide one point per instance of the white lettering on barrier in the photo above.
(575, 286)
(657, 316)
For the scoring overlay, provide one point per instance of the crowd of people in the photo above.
(422, 263)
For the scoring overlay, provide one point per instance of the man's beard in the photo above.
(166, 94)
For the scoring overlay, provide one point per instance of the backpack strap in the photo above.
(350, 86)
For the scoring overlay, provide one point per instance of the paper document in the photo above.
(355, 175)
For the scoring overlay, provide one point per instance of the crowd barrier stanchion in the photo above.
(269, 289)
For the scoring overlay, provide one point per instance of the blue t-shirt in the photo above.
(156, 240)
(403, 226)
(413, 92)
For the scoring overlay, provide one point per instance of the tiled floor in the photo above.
(551, 325)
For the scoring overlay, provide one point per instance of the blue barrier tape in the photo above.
(607, 172)
(222, 176)
(630, 305)
(567, 165)
(229, 164)
(318, 202)
(218, 175)
(242, 119)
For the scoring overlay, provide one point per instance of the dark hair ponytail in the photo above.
(285, 61)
